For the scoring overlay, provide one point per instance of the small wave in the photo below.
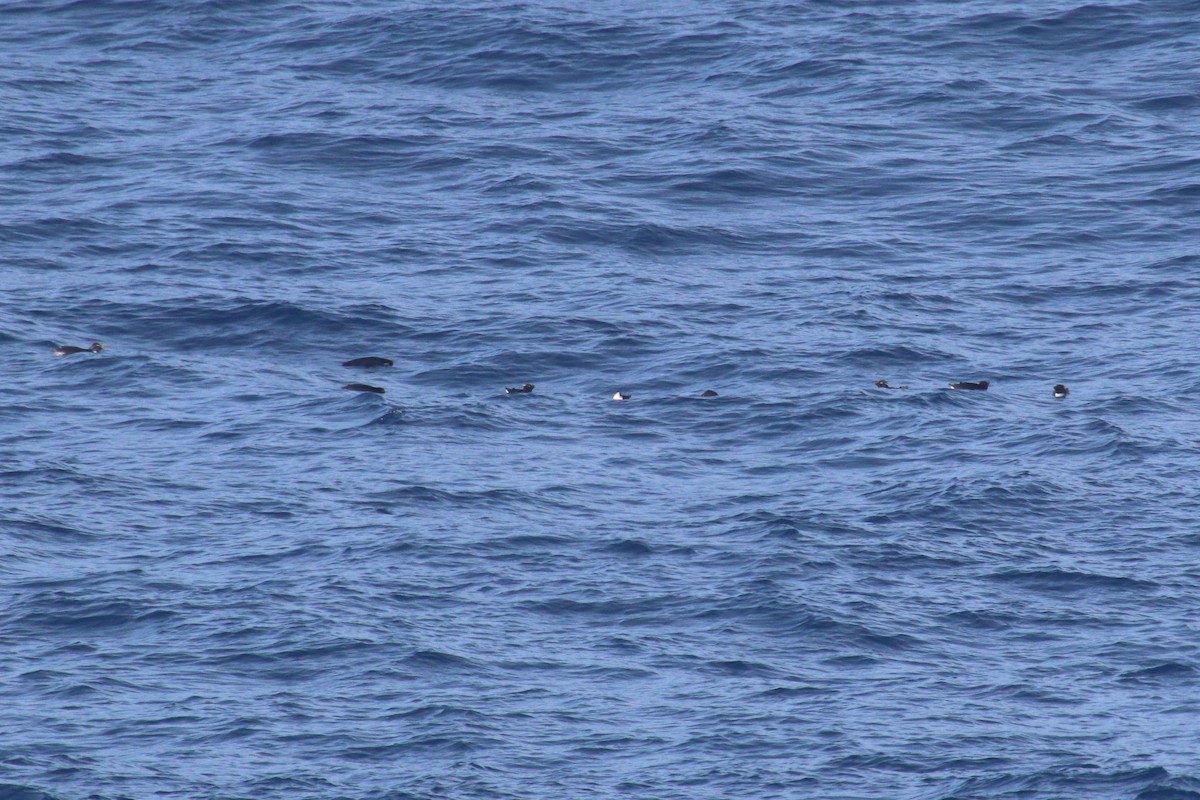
(16, 791)
(215, 323)
(42, 530)
(59, 160)
(439, 661)
(419, 495)
(629, 547)
(1150, 783)
(1175, 102)
(66, 611)
(1169, 672)
(1063, 580)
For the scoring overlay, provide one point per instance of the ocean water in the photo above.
(225, 577)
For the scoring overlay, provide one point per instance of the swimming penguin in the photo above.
(522, 389)
(67, 350)
(979, 387)
(1061, 391)
(619, 396)
(708, 393)
(368, 361)
(362, 387)
(882, 384)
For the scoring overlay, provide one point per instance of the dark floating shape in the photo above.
(620, 396)
(708, 393)
(523, 389)
(882, 384)
(368, 361)
(68, 350)
(978, 387)
(1061, 391)
(363, 387)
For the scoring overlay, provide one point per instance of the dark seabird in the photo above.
(619, 396)
(368, 361)
(522, 389)
(708, 393)
(979, 387)
(67, 349)
(1061, 391)
(362, 387)
(882, 384)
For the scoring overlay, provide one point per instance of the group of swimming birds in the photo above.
(371, 362)
(1060, 391)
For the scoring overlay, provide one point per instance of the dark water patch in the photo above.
(657, 239)
(974, 504)
(1177, 102)
(740, 668)
(392, 418)
(889, 358)
(305, 552)
(439, 711)
(43, 530)
(791, 692)
(1071, 581)
(798, 526)
(527, 541)
(899, 557)
(643, 611)
(629, 547)
(1172, 792)
(1087, 26)
(13, 791)
(1023, 693)
(777, 616)
(53, 228)
(58, 161)
(62, 611)
(983, 620)
(460, 744)
(1170, 672)
(732, 184)
(241, 325)
(417, 156)
(1073, 781)
(433, 660)
(424, 496)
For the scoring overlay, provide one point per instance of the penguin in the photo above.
(67, 349)
(368, 361)
(362, 387)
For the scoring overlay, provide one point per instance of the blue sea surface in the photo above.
(224, 577)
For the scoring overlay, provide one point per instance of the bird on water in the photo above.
(67, 349)
(368, 361)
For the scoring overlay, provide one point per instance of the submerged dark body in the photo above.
(368, 361)
(363, 387)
